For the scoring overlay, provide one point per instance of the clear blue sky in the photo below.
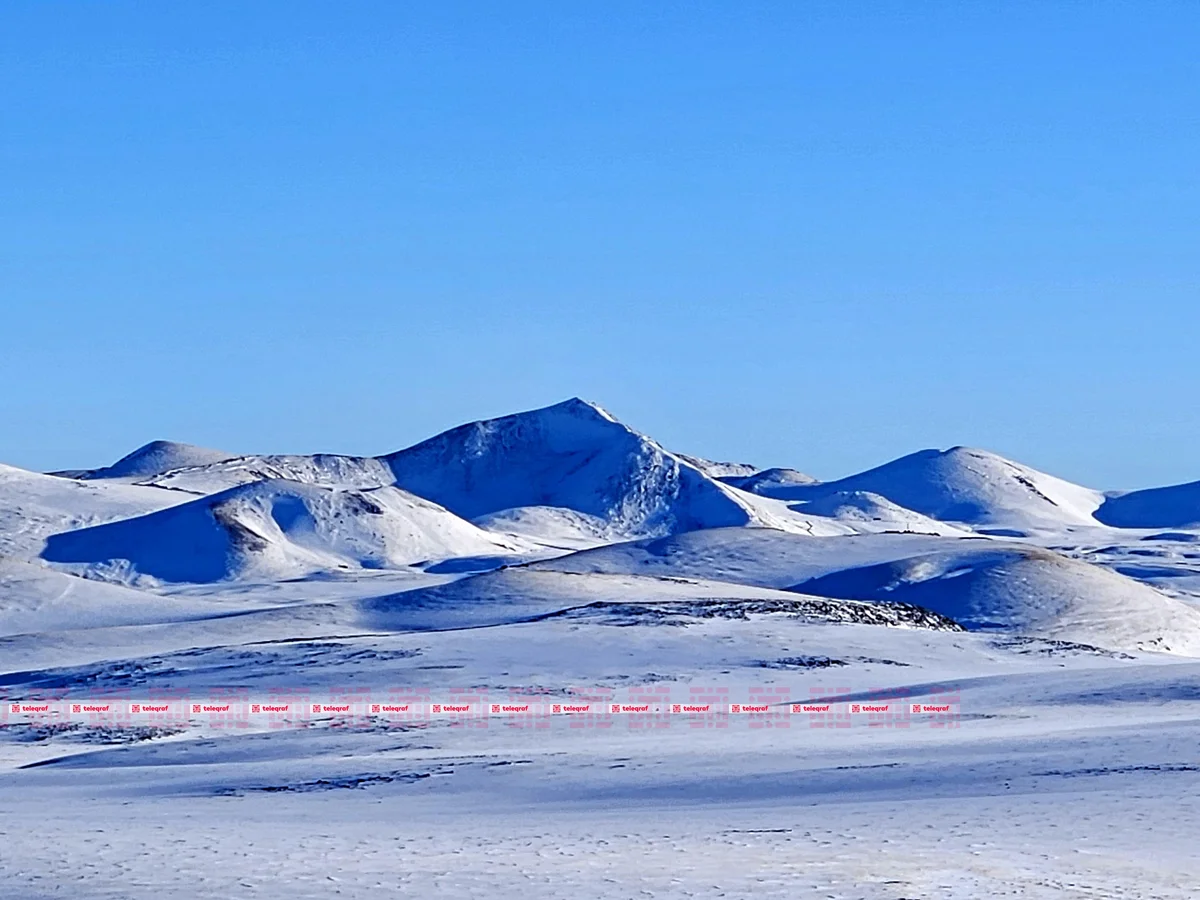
(799, 233)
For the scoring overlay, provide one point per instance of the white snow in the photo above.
(572, 455)
(279, 529)
(558, 554)
(33, 506)
(964, 485)
(1176, 506)
(1027, 591)
(156, 458)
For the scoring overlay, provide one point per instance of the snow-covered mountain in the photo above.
(573, 456)
(568, 474)
(152, 459)
(570, 489)
(277, 529)
(959, 485)
(950, 625)
(326, 469)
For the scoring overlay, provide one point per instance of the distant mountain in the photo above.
(763, 557)
(573, 456)
(769, 481)
(571, 474)
(152, 459)
(1176, 506)
(961, 485)
(326, 469)
(721, 470)
(277, 529)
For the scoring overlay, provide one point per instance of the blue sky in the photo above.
(809, 234)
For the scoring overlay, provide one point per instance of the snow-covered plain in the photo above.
(561, 557)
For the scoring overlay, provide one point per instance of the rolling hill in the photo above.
(278, 529)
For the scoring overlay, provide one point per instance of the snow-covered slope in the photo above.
(572, 455)
(866, 511)
(963, 485)
(550, 526)
(764, 557)
(154, 459)
(721, 470)
(1176, 506)
(33, 505)
(976, 581)
(526, 594)
(36, 598)
(277, 529)
(1028, 591)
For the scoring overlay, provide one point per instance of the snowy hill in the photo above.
(33, 505)
(240, 666)
(763, 557)
(277, 529)
(962, 485)
(35, 598)
(153, 459)
(1027, 591)
(574, 456)
(1176, 506)
(979, 582)
(571, 481)
(523, 594)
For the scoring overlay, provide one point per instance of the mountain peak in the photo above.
(573, 455)
(158, 457)
(579, 407)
